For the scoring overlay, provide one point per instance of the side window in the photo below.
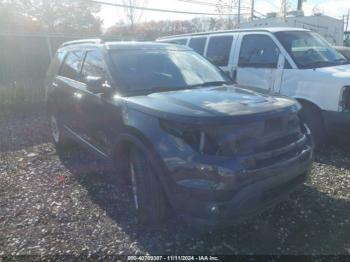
(219, 49)
(94, 65)
(258, 51)
(72, 64)
(198, 44)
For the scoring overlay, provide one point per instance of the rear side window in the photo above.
(94, 65)
(72, 64)
(198, 44)
(258, 51)
(219, 49)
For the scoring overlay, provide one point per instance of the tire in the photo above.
(312, 117)
(148, 196)
(60, 139)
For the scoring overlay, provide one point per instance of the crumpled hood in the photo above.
(211, 103)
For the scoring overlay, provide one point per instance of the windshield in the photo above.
(310, 50)
(163, 70)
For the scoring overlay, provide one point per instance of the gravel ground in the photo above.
(53, 204)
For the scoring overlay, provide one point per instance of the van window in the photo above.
(258, 51)
(94, 65)
(198, 44)
(219, 49)
(180, 41)
(72, 64)
(310, 50)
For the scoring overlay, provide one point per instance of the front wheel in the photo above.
(312, 117)
(148, 195)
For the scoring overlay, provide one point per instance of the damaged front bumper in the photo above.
(226, 191)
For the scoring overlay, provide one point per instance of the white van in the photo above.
(288, 61)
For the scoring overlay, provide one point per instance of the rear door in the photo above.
(258, 64)
(68, 85)
(220, 50)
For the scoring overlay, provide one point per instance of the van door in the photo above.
(219, 51)
(260, 65)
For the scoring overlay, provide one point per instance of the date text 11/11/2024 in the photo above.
(172, 258)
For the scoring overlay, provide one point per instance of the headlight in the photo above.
(194, 136)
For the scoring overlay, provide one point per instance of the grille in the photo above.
(271, 134)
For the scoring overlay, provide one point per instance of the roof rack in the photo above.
(83, 41)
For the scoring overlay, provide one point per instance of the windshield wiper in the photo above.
(342, 61)
(213, 83)
(159, 89)
(175, 88)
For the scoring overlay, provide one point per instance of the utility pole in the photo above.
(284, 10)
(239, 14)
(300, 5)
(347, 21)
(252, 11)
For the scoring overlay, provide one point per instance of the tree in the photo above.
(132, 15)
(150, 30)
(10, 20)
(61, 15)
(227, 7)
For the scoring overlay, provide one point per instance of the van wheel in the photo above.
(148, 196)
(312, 117)
(59, 138)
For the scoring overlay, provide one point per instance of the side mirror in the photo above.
(96, 85)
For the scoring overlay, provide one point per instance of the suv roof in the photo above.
(267, 29)
(123, 45)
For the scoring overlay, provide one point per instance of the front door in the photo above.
(101, 116)
(258, 63)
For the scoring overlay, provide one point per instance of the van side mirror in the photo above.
(96, 85)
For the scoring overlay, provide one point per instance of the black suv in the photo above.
(177, 130)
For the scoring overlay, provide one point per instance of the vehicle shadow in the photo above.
(310, 222)
(335, 152)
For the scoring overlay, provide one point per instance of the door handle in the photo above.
(54, 84)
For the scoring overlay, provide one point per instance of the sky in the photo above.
(111, 15)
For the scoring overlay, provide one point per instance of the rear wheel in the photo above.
(59, 138)
(312, 117)
(148, 195)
